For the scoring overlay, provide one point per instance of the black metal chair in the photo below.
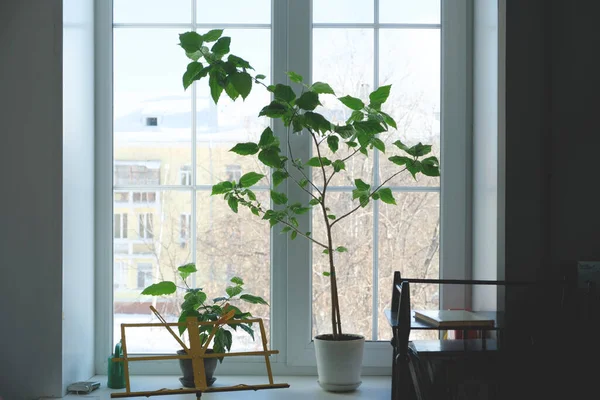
(456, 368)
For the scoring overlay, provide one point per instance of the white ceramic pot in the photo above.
(339, 362)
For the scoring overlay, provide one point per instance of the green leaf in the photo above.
(215, 87)
(212, 35)
(308, 101)
(250, 194)
(400, 160)
(378, 144)
(301, 210)
(231, 91)
(326, 251)
(333, 142)
(286, 229)
(278, 198)
(430, 166)
(331, 216)
(352, 102)
(364, 200)
(160, 289)
(190, 41)
(273, 110)
(321, 87)
(294, 77)
(388, 119)
(254, 211)
(221, 188)
(385, 194)
(345, 131)
(379, 96)
(253, 299)
(316, 121)
(356, 116)
(294, 221)
(278, 177)
(369, 127)
(183, 319)
(248, 329)
(414, 167)
(284, 92)
(339, 165)
(325, 273)
(318, 161)
(222, 46)
(419, 150)
(260, 76)
(314, 202)
(237, 280)
(270, 157)
(186, 270)
(303, 182)
(249, 179)
(239, 62)
(233, 204)
(233, 291)
(351, 144)
(242, 82)
(245, 149)
(360, 185)
(341, 249)
(219, 299)
(192, 73)
(267, 138)
(293, 235)
(401, 146)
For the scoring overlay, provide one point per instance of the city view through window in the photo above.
(171, 146)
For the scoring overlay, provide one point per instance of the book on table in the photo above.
(453, 318)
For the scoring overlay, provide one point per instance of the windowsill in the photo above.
(301, 387)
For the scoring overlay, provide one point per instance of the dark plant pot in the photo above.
(187, 380)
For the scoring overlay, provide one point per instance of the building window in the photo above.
(144, 275)
(120, 275)
(185, 175)
(234, 172)
(144, 197)
(136, 173)
(146, 226)
(185, 224)
(120, 226)
(151, 121)
(122, 197)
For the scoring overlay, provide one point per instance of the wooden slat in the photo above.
(164, 392)
(267, 361)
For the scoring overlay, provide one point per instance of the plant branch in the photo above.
(358, 206)
(353, 153)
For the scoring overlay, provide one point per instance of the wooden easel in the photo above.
(197, 353)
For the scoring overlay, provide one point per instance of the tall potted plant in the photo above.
(339, 354)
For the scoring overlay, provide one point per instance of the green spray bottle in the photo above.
(116, 373)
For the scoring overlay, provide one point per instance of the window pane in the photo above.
(355, 283)
(152, 112)
(220, 127)
(152, 11)
(147, 259)
(410, 11)
(234, 12)
(228, 245)
(342, 11)
(410, 62)
(409, 242)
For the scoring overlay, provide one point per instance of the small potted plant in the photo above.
(339, 354)
(196, 304)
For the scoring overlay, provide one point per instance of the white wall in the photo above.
(485, 151)
(31, 201)
(78, 191)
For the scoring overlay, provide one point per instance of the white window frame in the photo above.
(290, 280)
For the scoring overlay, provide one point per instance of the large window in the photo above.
(169, 146)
